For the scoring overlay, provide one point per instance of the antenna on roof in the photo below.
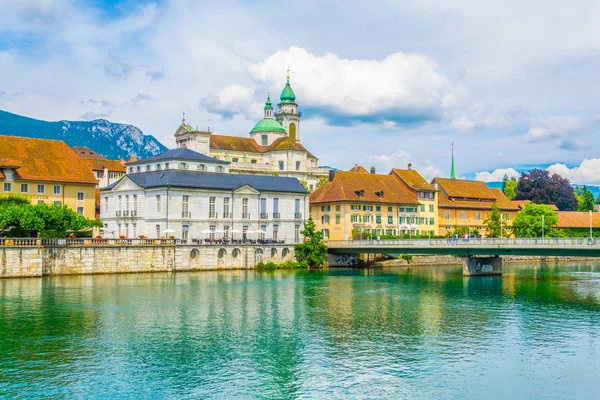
(183, 118)
(209, 129)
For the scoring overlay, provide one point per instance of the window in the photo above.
(126, 202)
(183, 165)
(185, 230)
(378, 219)
(158, 204)
(367, 218)
(234, 159)
(275, 232)
(245, 208)
(252, 161)
(57, 203)
(80, 210)
(24, 188)
(325, 208)
(106, 204)
(367, 208)
(79, 194)
(390, 209)
(264, 140)
(325, 219)
(400, 220)
(226, 232)
(281, 165)
(298, 214)
(226, 207)
(431, 208)
(7, 187)
(41, 189)
(338, 208)
(311, 187)
(297, 233)
(148, 168)
(422, 207)
(135, 204)
(447, 215)
(390, 220)
(478, 216)
(166, 165)
(421, 195)
(120, 205)
(355, 207)
(41, 201)
(463, 216)
(158, 167)
(211, 207)
(126, 230)
(263, 208)
(338, 219)
(377, 208)
(354, 218)
(431, 221)
(220, 168)
(185, 206)
(507, 217)
(326, 233)
(297, 165)
(131, 170)
(276, 208)
(157, 230)
(139, 169)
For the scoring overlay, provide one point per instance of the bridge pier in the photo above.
(478, 266)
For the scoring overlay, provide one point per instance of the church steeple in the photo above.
(287, 111)
(268, 107)
(452, 172)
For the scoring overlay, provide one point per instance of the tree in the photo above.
(493, 223)
(305, 184)
(528, 223)
(585, 198)
(312, 252)
(598, 199)
(510, 188)
(504, 182)
(322, 180)
(541, 188)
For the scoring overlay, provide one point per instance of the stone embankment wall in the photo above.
(32, 261)
(450, 260)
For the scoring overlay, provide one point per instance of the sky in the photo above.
(514, 85)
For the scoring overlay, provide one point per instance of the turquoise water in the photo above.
(413, 333)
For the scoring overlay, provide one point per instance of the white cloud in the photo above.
(401, 159)
(496, 175)
(588, 172)
(406, 89)
(555, 127)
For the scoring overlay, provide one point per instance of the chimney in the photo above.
(331, 175)
(409, 166)
(372, 169)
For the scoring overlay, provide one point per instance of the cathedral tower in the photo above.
(287, 112)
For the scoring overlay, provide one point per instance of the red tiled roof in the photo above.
(45, 160)
(577, 219)
(413, 179)
(466, 189)
(112, 165)
(464, 199)
(346, 186)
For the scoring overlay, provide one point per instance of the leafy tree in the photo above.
(598, 199)
(493, 222)
(322, 180)
(585, 198)
(541, 188)
(312, 252)
(528, 223)
(305, 184)
(505, 180)
(13, 199)
(510, 188)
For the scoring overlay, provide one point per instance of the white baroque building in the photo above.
(273, 145)
(195, 198)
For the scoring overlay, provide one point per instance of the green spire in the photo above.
(268, 104)
(452, 173)
(287, 94)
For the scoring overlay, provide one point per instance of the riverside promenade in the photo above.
(45, 257)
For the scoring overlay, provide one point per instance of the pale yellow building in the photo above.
(46, 171)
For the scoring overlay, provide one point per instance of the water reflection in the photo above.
(378, 333)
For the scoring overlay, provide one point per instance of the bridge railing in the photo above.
(506, 242)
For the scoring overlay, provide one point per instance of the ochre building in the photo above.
(46, 171)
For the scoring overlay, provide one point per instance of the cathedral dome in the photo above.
(287, 94)
(268, 125)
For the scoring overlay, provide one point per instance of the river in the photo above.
(391, 333)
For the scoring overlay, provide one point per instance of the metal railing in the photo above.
(89, 242)
(298, 215)
(276, 215)
(473, 242)
(264, 216)
(186, 214)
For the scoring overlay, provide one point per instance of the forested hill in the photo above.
(112, 140)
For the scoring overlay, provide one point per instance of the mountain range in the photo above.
(112, 140)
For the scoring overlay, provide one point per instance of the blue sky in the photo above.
(513, 85)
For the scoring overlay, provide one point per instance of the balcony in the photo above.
(126, 213)
(276, 215)
(264, 216)
(245, 215)
(213, 215)
(118, 213)
(226, 215)
(186, 214)
(298, 215)
(134, 213)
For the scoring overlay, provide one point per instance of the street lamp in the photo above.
(543, 226)
(469, 227)
(501, 237)
(590, 224)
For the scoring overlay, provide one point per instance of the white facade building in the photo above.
(193, 197)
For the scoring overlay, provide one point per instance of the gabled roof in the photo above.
(86, 152)
(359, 169)
(216, 181)
(347, 186)
(181, 153)
(465, 189)
(286, 143)
(237, 143)
(464, 200)
(577, 219)
(413, 179)
(44, 160)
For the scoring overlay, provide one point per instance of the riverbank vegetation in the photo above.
(313, 251)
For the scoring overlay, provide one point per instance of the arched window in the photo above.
(194, 254)
(292, 131)
(273, 252)
(285, 252)
(222, 254)
(236, 253)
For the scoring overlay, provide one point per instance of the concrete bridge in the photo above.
(480, 256)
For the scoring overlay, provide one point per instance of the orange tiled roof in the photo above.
(577, 219)
(285, 143)
(465, 189)
(413, 179)
(86, 152)
(359, 168)
(464, 201)
(238, 143)
(132, 159)
(112, 165)
(521, 204)
(347, 185)
(45, 160)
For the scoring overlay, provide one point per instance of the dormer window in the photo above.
(220, 168)
(183, 165)
(148, 168)
(138, 169)
(166, 165)
(158, 167)
(201, 167)
(131, 170)
(379, 194)
(360, 193)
